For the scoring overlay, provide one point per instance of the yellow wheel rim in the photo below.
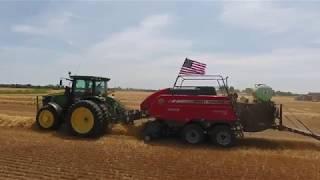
(46, 119)
(82, 120)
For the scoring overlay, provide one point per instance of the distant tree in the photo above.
(231, 89)
(248, 91)
(237, 91)
(280, 93)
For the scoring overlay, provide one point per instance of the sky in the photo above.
(142, 44)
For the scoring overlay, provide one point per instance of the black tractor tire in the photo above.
(193, 134)
(152, 130)
(85, 119)
(48, 118)
(222, 135)
(106, 121)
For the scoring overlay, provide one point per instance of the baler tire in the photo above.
(92, 123)
(152, 130)
(147, 138)
(52, 121)
(222, 136)
(193, 134)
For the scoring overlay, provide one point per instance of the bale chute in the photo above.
(256, 117)
(263, 114)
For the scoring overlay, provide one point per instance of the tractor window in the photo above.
(83, 87)
(101, 88)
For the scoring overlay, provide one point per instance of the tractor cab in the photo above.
(86, 86)
(80, 87)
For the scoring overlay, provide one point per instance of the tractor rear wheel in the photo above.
(222, 136)
(193, 134)
(105, 119)
(85, 118)
(48, 118)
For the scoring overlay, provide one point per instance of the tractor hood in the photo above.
(58, 98)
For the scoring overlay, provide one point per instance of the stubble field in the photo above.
(27, 153)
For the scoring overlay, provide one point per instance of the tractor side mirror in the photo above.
(60, 82)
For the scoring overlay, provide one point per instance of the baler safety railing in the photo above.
(221, 81)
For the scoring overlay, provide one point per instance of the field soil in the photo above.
(28, 153)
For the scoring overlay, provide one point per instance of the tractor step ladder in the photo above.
(282, 127)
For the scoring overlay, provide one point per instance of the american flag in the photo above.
(191, 67)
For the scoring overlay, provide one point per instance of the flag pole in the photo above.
(174, 85)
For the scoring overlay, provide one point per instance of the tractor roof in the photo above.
(92, 78)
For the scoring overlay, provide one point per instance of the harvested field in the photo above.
(27, 153)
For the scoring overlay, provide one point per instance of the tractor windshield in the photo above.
(83, 87)
(89, 87)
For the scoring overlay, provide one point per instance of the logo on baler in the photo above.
(223, 112)
(205, 102)
(173, 109)
(161, 101)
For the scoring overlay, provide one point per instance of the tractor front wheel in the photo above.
(48, 118)
(85, 119)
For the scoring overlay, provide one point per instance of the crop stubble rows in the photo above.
(29, 154)
(49, 156)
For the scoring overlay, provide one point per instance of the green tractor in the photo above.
(84, 106)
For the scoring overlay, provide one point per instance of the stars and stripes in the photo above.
(191, 67)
